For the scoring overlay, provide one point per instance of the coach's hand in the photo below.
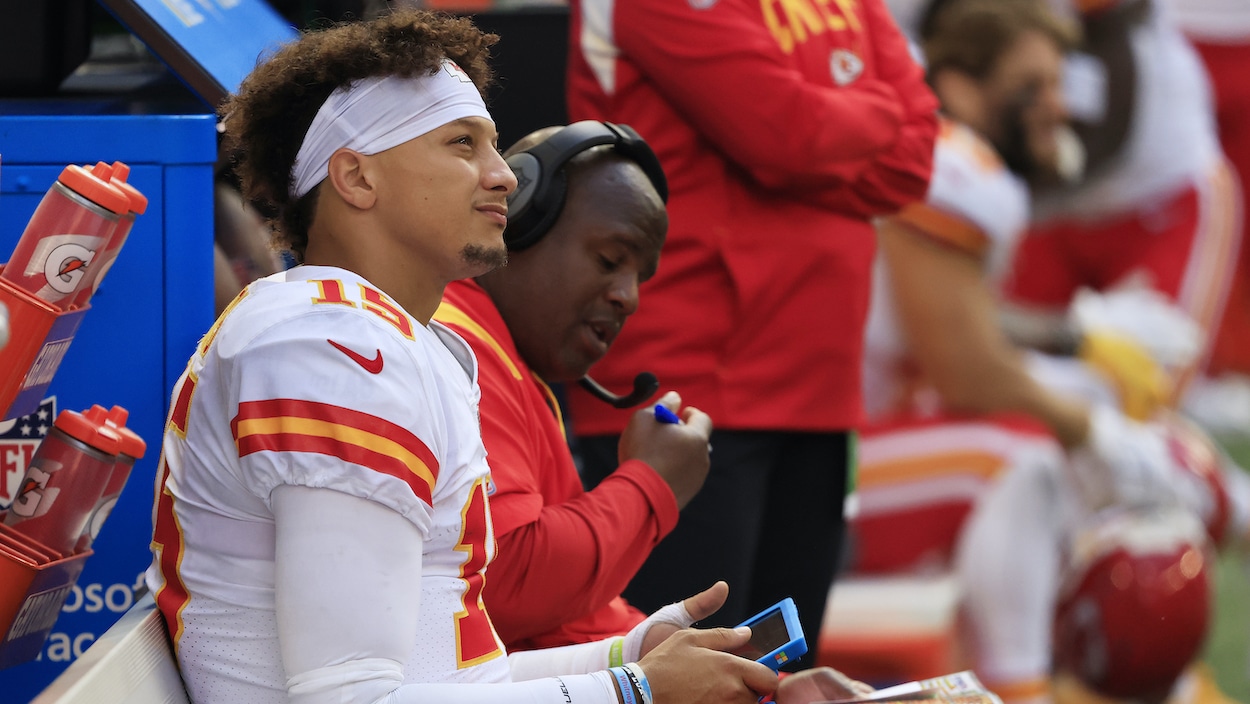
(678, 452)
(819, 684)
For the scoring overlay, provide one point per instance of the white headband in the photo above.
(374, 114)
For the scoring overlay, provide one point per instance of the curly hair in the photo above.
(266, 120)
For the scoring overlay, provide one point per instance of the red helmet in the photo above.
(1195, 454)
(1133, 606)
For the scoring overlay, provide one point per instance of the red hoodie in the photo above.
(784, 126)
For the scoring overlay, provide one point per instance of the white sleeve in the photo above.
(345, 568)
(590, 657)
(308, 415)
(582, 657)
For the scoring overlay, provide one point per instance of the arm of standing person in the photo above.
(899, 175)
(726, 69)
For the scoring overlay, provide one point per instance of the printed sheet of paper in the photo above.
(955, 688)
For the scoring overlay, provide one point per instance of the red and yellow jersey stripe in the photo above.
(293, 425)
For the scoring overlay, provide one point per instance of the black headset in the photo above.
(539, 196)
(542, 184)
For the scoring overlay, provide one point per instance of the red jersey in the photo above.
(564, 554)
(783, 127)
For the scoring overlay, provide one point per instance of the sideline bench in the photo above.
(132, 662)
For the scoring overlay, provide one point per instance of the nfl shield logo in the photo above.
(19, 438)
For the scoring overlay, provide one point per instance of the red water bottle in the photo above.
(129, 451)
(65, 479)
(137, 205)
(70, 228)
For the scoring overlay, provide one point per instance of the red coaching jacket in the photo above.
(564, 554)
(784, 126)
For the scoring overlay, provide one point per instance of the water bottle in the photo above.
(70, 228)
(137, 205)
(65, 479)
(129, 451)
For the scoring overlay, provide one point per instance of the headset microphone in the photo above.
(645, 386)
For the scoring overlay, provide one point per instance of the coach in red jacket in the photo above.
(564, 553)
(784, 126)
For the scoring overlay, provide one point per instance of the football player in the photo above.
(969, 458)
(1158, 207)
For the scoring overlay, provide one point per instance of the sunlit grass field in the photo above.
(1228, 646)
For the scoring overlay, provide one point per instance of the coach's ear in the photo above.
(352, 178)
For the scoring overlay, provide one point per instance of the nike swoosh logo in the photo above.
(373, 366)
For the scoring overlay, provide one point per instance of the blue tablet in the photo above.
(776, 636)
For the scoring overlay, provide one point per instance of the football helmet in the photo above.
(1133, 607)
(1200, 464)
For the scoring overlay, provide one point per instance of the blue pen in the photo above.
(663, 415)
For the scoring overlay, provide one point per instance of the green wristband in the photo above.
(616, 654)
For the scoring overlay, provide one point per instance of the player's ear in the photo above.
(352, 178)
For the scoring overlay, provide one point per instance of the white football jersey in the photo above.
(1213, 20)
(1172, 141)
(974, 204)
(314, 377)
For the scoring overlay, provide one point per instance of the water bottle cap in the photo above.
(117, 415)
(132, 445)
(101, 170)
(138, 201)
(91, 187)
(90, 427)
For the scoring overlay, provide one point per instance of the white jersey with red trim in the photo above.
(314, 377)
(974, 204)
(971, 183)
(1213, 20)
(1172, 140)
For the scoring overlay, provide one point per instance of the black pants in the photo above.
(768, 521)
